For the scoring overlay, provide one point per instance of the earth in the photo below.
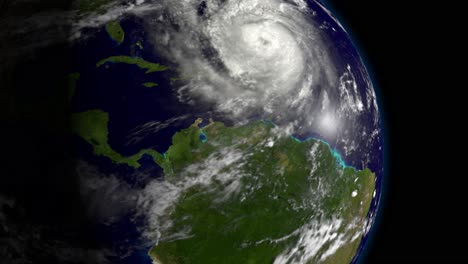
(224, 132)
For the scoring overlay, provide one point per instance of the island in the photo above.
(139, 45)
(150, 67)
(150, 84)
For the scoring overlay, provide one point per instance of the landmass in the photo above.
(275, 190)
(150, 84)
(139, 44)
(86, 6)
(143, 64)
(92, 126)
(249, 194)
(115, 31)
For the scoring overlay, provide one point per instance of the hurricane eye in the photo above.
(219, 131)
(264, 41)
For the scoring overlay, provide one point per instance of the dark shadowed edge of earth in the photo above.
(42, 218)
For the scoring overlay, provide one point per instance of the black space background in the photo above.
(411, 49)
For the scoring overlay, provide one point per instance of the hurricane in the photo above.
(268, 59)
(246, 56)
(212, 131)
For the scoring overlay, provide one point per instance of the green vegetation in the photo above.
(149, 66)
(281, 192)
(150, 84)
(72, 80)
(273, 188)
(115, 31)
(92, 127)
(86, 6)
(139, 45)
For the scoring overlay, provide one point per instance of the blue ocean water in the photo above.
(118, 90)
(350, 54)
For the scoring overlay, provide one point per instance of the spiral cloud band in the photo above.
(288, 61)
(246, 56)
(271, 59)
(235, 61)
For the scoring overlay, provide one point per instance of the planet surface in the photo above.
(238, 131)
